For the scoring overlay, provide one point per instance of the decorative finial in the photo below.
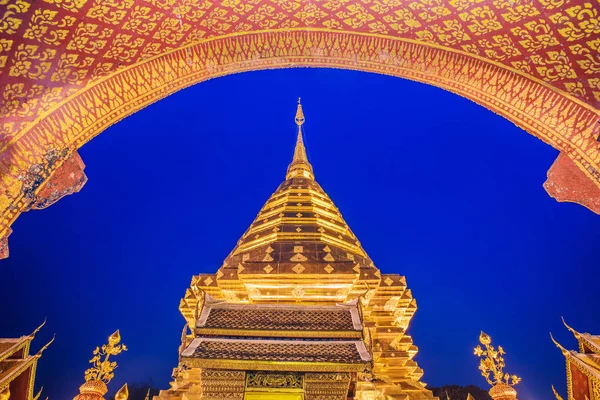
(558, 397)
(39, 353)
(299, 114)
(39, 393)
(38, 328)
(573, 331)
(103, 370)
(123, 393)
(492, 363)
(562, 349)
(300, 167)
(148, 394)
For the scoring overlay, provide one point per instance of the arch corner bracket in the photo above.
(567, 183)
(67, 179)
(4, 245)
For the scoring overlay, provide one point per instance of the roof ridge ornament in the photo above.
(558, 397)
(32, 335)
(573, 331)
(39, 353)
(562, 349)
(300, 167)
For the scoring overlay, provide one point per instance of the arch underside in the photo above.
(63, 98)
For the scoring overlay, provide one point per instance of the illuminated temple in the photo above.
(298, 310)
(583, 367)
(18, 367)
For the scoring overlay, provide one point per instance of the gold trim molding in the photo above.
(555, 117)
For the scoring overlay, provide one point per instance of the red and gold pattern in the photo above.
(18, 366)
(579, 382)
(71, 68)
(583, 367)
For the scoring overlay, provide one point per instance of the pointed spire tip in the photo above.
(300, 165)
(299, 114)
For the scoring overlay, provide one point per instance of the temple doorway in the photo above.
(274, 395)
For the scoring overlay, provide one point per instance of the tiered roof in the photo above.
(277, 354)
(583, 367)
(17, 366)
(277, 337)
(279, 320)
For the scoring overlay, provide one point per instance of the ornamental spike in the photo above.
(300, 167)
(39, 353)
(123, 393)
(573, 331)
(562, 349)
(558, 397)
(38, 329)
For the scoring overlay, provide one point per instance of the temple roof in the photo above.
(203, 352)
(10, 347)
(279, 320)
(17, 364)
(588, 343)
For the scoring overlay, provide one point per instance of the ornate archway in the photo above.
(71, 68)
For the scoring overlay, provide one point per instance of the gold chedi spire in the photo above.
(300, 167)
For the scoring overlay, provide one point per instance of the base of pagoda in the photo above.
(216, 384)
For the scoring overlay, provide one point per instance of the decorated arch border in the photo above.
(558, 119)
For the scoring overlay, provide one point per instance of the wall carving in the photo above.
(261, 379)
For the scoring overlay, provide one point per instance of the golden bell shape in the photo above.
(92, 390)
(123, 393)
(5, 395)
(503, 391)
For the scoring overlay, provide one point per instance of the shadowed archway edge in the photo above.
(558, 119)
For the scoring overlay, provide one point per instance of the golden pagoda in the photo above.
(298, 310)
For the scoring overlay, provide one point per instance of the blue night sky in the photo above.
(436, 187)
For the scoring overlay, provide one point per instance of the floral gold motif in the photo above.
(103, 368)
(492, 363)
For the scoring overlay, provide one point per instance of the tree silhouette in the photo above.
(456, 392)
(138, 391)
